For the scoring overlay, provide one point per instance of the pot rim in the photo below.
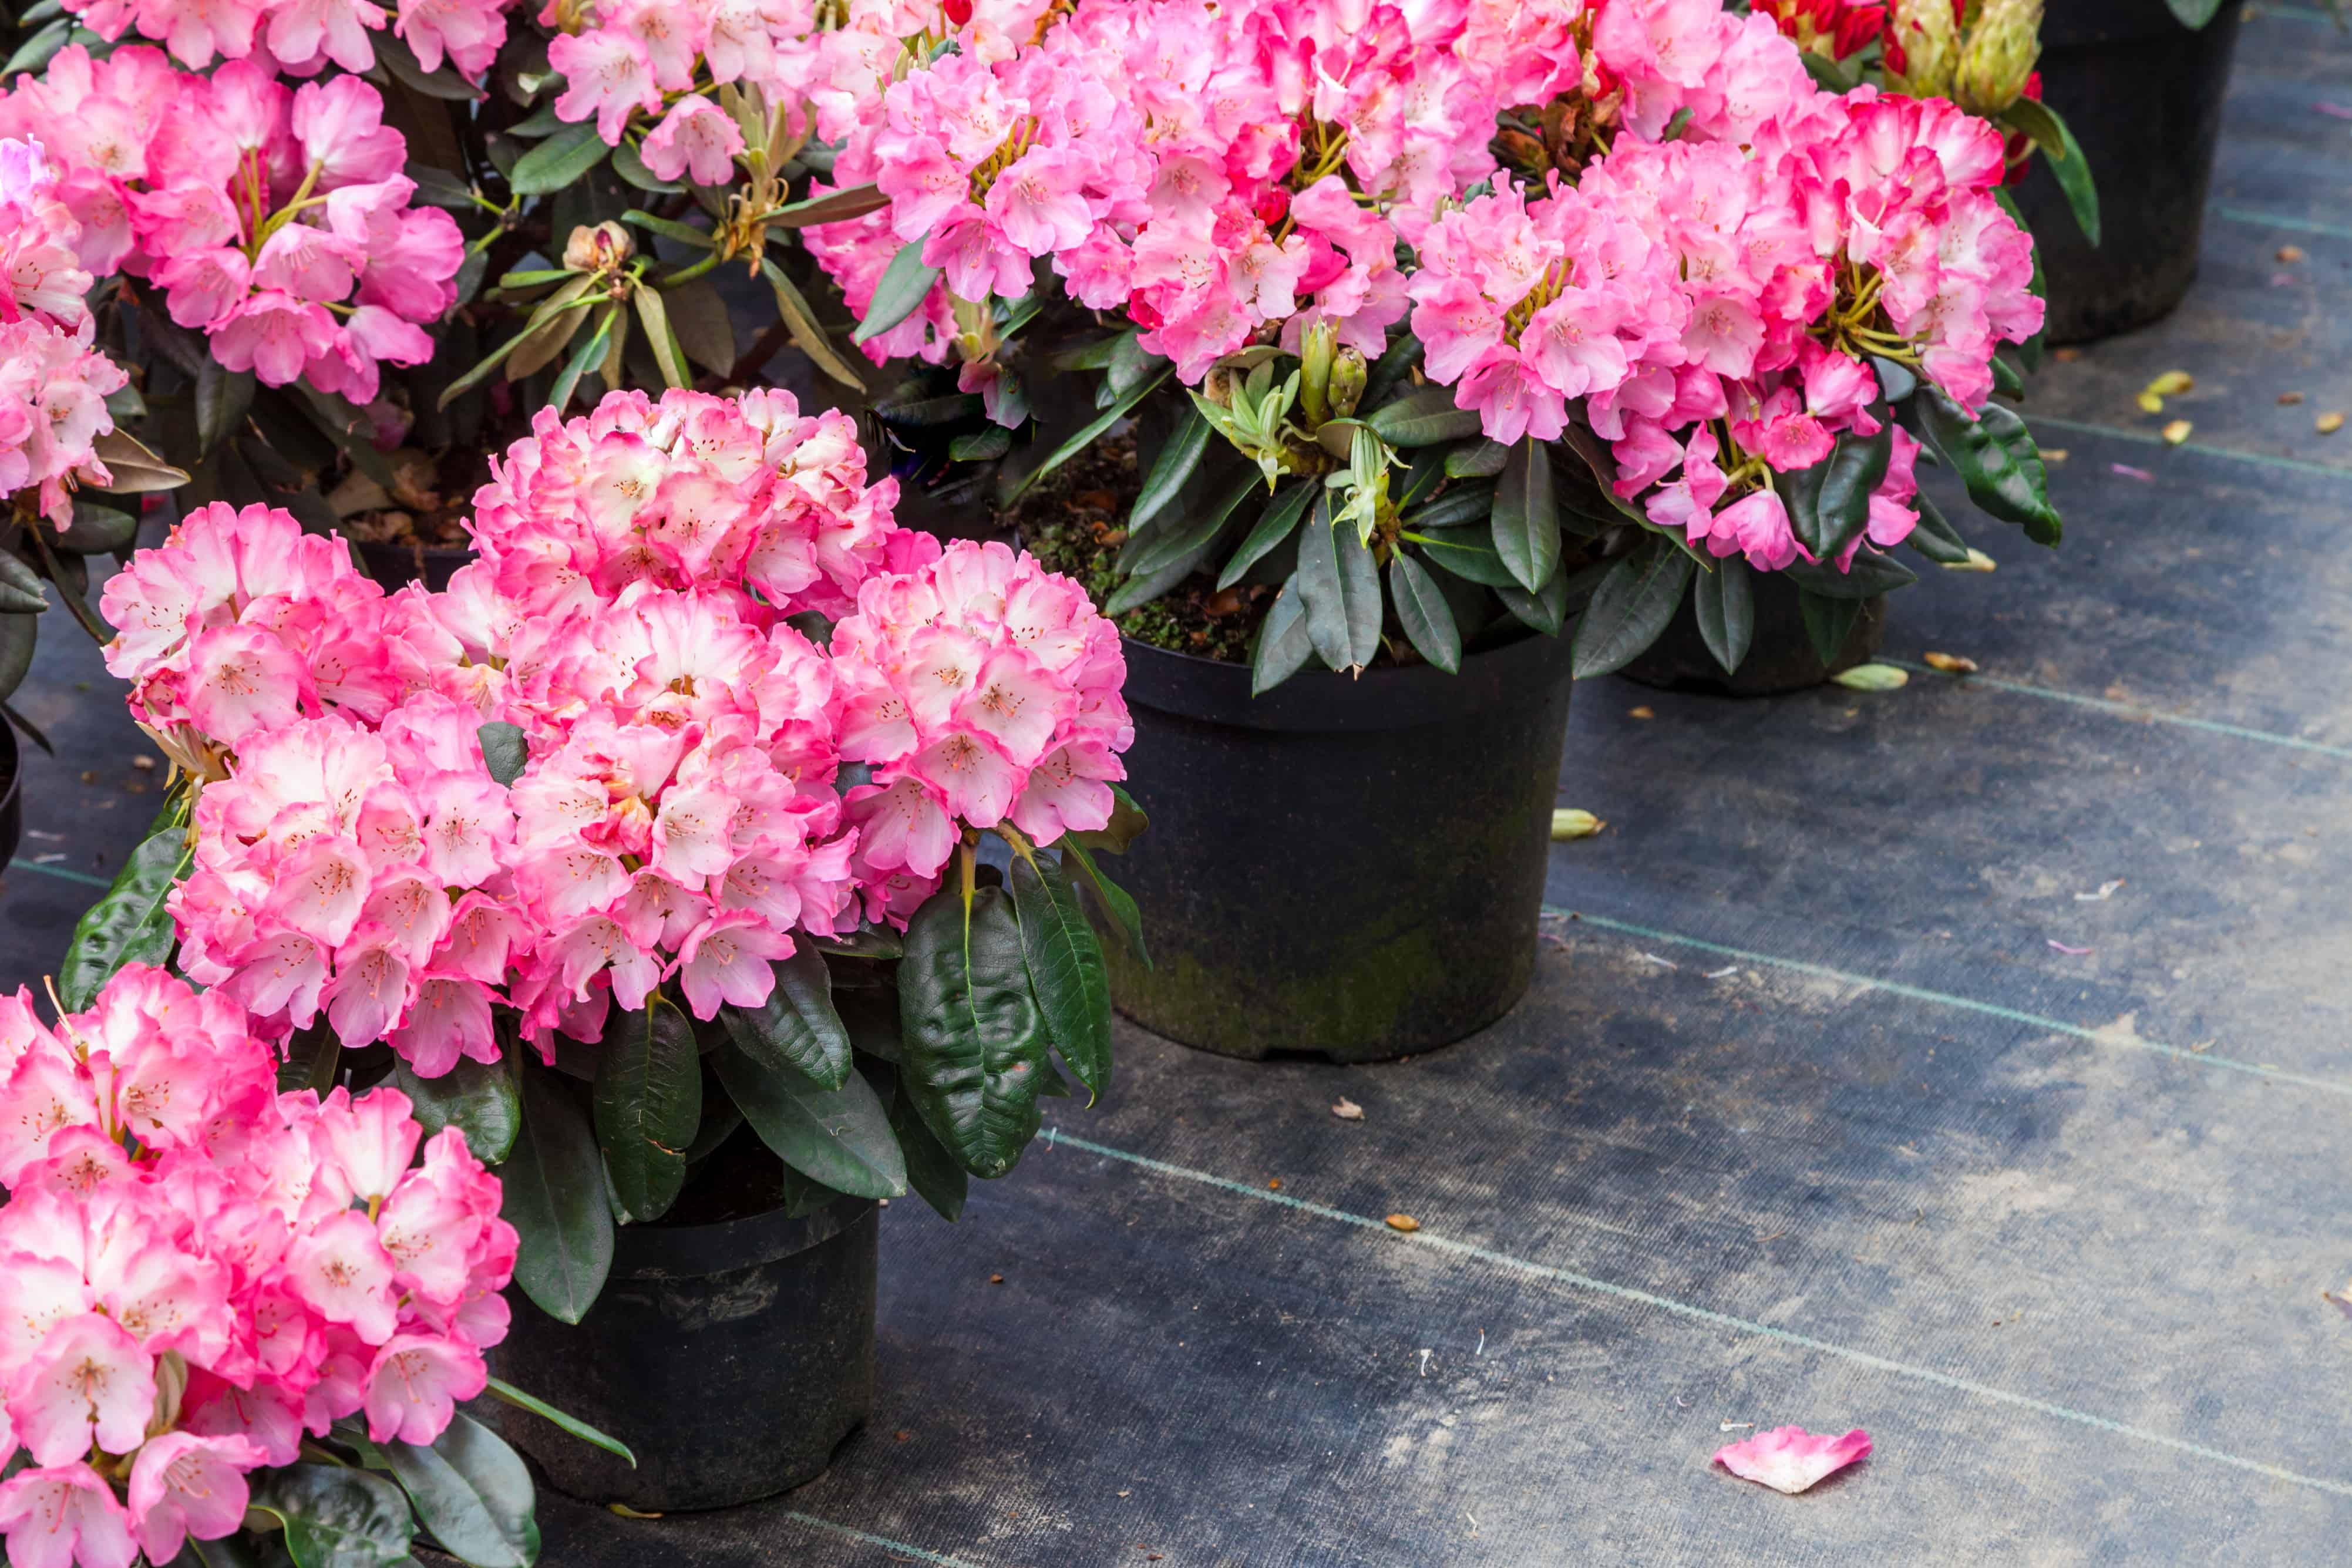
(695, 1251)
(1321, 701)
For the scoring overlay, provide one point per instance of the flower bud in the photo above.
(1923, 36)
(1998, 56)
(1348, 374)
(598, 249)
(1317, 348)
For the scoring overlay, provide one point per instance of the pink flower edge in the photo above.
(1791, 1459)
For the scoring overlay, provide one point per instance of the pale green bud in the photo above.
(1998, 56)
(1929, 38)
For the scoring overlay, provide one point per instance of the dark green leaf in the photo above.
(1634, 603)
(130, 923)
(833, 206)
(840, 1137)
(1274, 525)
(1422, 609)
(1724, 603)
(1391, 369)
(648, 1103)
(1087, 433)
(1828, 622)
(507, 1394)
(1829, 503)
(972, 1037)
(1465, 501)
(314, 1060)
(1868, 575)
(2007, 378)
(503, 750)
(592, 353)
(807, 334)
(563, 159)
(21, 593)
(698, 316)
(478, 1098)
(1896, 381)
(1174, 465)
(869, 942)
(796, 1027)
(981, 446)
(1114, 900)
(97, 531)
(18, 635)
(1340, 587)
(1526, 516)
(34, 52)
(1479, 459)
(686, 233)
(1127, 823)
(337, 1516)
(1545, 611)
(1995, 457)
(1283, 643)
(1163, 548)
(904, 285)
(1466, 552)
(554, 1181)
(1423, 419)
(630, 164)
(1067, 974)
(1935, 538)
(931, 1171)
(2063, 153)
(224, 397)
(473, 1492)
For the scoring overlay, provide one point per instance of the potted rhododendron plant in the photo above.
(243, 1324)
(1425, 336)
(648, 855)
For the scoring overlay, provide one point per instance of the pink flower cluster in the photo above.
(300, 37)
(679, 817)
(53, 384)
(277, 221)
(196, 1270)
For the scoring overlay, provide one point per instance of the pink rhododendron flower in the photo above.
(1789, 1459)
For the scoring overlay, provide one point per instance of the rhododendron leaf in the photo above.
(1095, 355)
(314, 1059)
(1138, 591)
(1066, 966)
(351, 429)
(1601, 464)
(2062, 154)
(1197, 529)
(1526, 516)
(590, 353)
(1828, 622)
(1896, 381)
(34, 52)
(1087, 433)
(1465, 501)
(1935, 538)
(1174, 465)
(18, 636)
(507, 1394)
(1389, 372)
(648, 1105)
(555, 1197)
(1545, 611)
(923, 412)
(130, 924)
(1829, 503)
(2007, 379)
(223, 399)
(134, 470)
(1422, 609)
(1340, 587)
(97, 531)
(1284, 645)
(698, 316)
(1867, 575)
(981, 446)
(1423, 419)
(801, 324)
(838, 1136)
(1127, 823)
(473, 1492)
(1996, 458)
(1479, 459)
(833, 206)
(1636, 600)
(653, 310)
(686, 233)
(439, 188)
(796, 1027)
(931, 1171)
(1724, 603)
(504, 752)
(336, 1516)
(871, 942)
(1130, 361)
(478, 1098)
(1466, 552)
(1274, 525)
(391, 51)
(903, 286)
(1422, 475)
(970, 1035)
(561, 161)
(21, 593)
(630, 164)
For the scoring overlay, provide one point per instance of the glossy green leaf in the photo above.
(797, 1027)
(1465, 501)
(554, 1182)
(1466, 552)
(473, 1492)
(648, 1103)
(478, 1099)
(1174, 465)
(973, 1040)
(22, 591)
(1724, 603)
(931, 1171)
(1868, 575)
(19, 634)
(1423, 419)
(1087, 433)
(1422, 609)
(1996, 458)
(1274, 525)
(1479, 459)
(393, 52)
(507, 1394)
(503, 750)
(314, 1060)
(1127, 823)
(807, 333)
(630, 164)
(1283, 643)
(582, 359)
(1828, 622)
(563, 159)
(1545, 611)
(223, 399)
(337, 1516)
(833, 206)
(1829, 503)
(129, 924)
(1172, 542)
(1935, 538)
(2063, 155)
(903, 286)
(1391, 370)
(35, 51)
(1066, 973)
(1339, 588)
(1526, 515)
(1114, 898)
(840, 1137)
(1634, 603)
(98, 530)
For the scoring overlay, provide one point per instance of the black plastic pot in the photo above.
(1352, 868)
(1780, 656)
(732, 1359)
(395, 564)
(12, 794)
(2142, 94)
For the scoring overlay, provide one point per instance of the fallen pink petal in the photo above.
(2127, 471)
(1790, 1460)
(2072, 951)
(2335, 111)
